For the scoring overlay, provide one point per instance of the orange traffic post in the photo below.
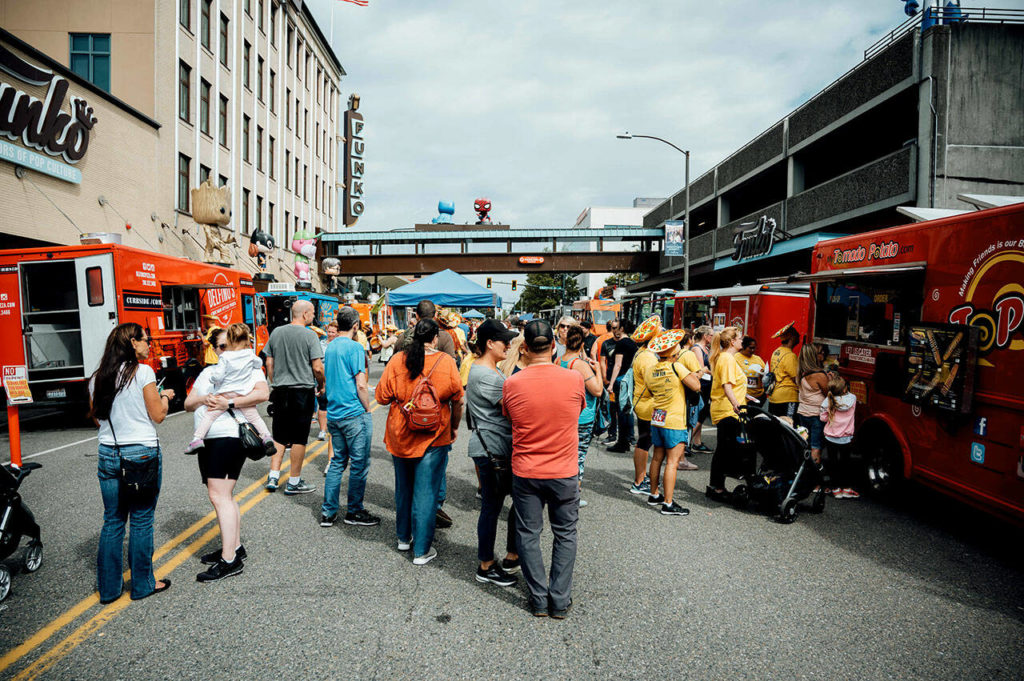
(14, 430)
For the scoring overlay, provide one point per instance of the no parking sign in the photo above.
(16, 385)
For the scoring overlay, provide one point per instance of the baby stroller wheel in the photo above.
(787, 513)
(5, 582)
(740, 496)
(818, 503)
(33, 556)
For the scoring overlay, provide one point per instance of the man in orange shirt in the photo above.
(543, 403)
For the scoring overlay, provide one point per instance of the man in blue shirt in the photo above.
(348, 421)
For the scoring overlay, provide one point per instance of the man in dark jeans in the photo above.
(625, 350)
(543, 403)
(606, 354)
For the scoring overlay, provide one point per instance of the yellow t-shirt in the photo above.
(786, 368)
(689, 360)
(464, 369)
(361, 339)
(462, 339)
(753, 368)
(727, 370)
(665, 381)
(643, 401)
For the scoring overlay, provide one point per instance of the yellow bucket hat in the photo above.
(648, 329)
(666, 341)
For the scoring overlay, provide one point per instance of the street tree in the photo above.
(544, 290)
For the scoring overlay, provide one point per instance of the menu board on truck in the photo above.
(940, 363)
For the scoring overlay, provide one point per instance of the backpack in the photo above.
(423, 410)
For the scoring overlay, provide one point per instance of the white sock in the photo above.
(293, 480)
(275, 474)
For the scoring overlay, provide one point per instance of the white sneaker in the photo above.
(583, 502)
(404, 546)
(322, 435)
(426, 557)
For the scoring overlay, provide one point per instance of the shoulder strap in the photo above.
(111, 422)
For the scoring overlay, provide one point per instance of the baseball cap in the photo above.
(492, 330)
(538, 333)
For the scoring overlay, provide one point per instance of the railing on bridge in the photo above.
(946, 15)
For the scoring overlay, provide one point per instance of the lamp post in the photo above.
(686, 209)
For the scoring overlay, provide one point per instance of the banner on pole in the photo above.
(674, 246)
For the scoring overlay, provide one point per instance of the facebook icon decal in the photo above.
(981, 426)
(977, 452)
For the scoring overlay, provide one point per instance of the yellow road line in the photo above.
(85, 604)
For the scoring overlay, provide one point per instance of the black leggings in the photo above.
(727, 451)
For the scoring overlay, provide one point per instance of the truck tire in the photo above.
(883, 461)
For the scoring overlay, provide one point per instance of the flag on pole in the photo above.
(361, 3)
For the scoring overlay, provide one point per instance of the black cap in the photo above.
(538, 334)
(492, 330)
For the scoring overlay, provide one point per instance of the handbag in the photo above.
(252, 444)
(140, 480)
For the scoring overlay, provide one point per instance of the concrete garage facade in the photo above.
(925, 117)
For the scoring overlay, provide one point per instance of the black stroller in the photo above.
(777, 471)
(16, 521)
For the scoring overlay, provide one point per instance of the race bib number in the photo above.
(754, 382)
(659, 416)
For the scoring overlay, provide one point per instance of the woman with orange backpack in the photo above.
(424, 391)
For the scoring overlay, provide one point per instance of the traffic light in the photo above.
(513, 284)
(488, 282)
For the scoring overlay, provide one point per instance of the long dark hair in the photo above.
(117, 368)
(426, 330)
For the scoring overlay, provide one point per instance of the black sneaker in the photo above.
(220, 570)
(674, 509)
(653, 500)
(212, 557)
(328, 520)
(716, 495)
(298, 488)
(361, 517)
(510, 566)
(561, 613)
(443, 519)
(495, 575)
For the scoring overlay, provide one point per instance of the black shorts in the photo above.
(321, 401)
(221, 458)
(293, 412)
(705, 392)
(643, 434)
(783, 408)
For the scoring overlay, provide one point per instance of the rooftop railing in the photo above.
(930, 16)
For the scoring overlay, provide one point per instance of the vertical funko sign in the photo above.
(354, 163)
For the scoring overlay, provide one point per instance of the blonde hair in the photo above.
(238, 334)
(722, 340)
(515, 349)
(837, 387)
(809, 363)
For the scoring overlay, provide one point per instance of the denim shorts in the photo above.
(668, 437)
(815, 429)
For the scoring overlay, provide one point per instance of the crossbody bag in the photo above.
(139, 480)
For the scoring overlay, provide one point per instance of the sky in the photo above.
(520, 101)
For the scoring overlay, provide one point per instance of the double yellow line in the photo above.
(91, 626)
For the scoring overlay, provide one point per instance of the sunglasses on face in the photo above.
(564, 326)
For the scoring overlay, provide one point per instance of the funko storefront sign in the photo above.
(355, 147)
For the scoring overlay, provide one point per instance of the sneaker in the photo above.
(479, 494)
(837, 493)
(674, 509)
(273, 482)
(616, 449)
(443, 520)
(194, 446)
(686, 466)
(643, 488)
(714, 495)
(539, 611)
(426, 557)
(510, 566)
(298, 488)
(328, 520)
(212, 557)
(609, 440)
(849, 493)
(322, 435)
(361, 517)
(495, 575)
(701, 448)
(655, 500)
(404, 545)
(583, 502)
(220, 570)
(327, 467)
(561, 613)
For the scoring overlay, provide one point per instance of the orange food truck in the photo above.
(929, 323)
(599, 311)
(59, 304)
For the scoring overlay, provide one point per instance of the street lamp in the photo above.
(686, 210)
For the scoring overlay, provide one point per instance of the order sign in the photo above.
(16, 385)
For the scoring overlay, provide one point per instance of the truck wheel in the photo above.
(883, 463)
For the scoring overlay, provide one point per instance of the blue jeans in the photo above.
(417, 486)
(351, 441)
(493, 490)
(116, 512)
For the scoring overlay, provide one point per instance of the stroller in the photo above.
(777, 469)
(16, 521)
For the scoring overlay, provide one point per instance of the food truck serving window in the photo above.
(873, 309)
(181, 308)
(94, 285)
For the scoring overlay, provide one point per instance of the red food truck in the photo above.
(929, 323)
(59, 304)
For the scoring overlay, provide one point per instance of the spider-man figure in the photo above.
(482, 208)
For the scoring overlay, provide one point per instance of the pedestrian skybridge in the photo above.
(499, 249)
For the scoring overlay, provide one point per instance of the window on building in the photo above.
(287, 220)
(184, 92)
(316, 191)
(288, 107)
(222, 121)
(270, 156)
(245, 211)
(259, 212)
(223, 43)
(288, 45)
(287, 169)
(298, 130)
(305, 126)
(246, 63)
(90, 58)
(259, 148)
(273, 88)
(183, 182)
(273, 24)
(317, 138)
(298, 58)
(259, 78)
(204, 174)
(260, 8)
(185, 12)
(319, 83)
(305, 182)
(247, 6)
(307, 69)
(204, 107)
(245, 138)
(223, 181)
(297, 176)
(204, 22)
(271, 227)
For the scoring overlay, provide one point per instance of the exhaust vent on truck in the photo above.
(93, 238)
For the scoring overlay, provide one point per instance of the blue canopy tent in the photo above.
(472, 314)
(446, 289)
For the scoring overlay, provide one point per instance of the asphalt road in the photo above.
(920, 589)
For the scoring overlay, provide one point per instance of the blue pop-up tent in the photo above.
(472, 314)
(445, 288)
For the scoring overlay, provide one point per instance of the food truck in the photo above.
(276, 304)
(598, 310)
(928, 319)
(59, 304)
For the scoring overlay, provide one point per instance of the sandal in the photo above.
(159, 589)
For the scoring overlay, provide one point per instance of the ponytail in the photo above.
(426, 330)
(722, 340)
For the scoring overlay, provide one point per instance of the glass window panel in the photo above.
(101, 72)
(101, 43)
(94, 285)
(80, 42)
(80, 65)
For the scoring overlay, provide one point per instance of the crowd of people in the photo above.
(534, 397)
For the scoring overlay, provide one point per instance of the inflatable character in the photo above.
(304, 247)
(331, 268)
(482, 207)
(446, 210)
(211, 208)
(260, 245)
